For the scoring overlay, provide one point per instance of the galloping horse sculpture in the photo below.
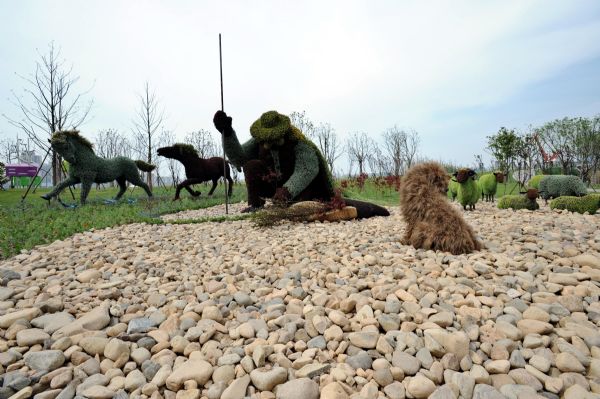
(88, 168)
(197, 170)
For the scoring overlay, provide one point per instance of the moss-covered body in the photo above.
(453, 188)
(554, 186)
(88, 168)
(534, 182)
(588, 203)
(3, 178)
(489, 184)
(468, 191)
(517, 202)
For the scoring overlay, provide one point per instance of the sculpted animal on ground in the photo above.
(432, 222)
(88, 168)
(468, 191)
(197, 170)
(489, 183)
(527, 200)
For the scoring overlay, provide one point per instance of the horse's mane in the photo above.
(63, 135)
(186, 149)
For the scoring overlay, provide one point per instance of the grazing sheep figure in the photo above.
(489, 184)
(431, 221)
(526, 201)
(468, 191)
(87, 168)
(588, 203)
(554, 186)
(197, 170)
(534, 182)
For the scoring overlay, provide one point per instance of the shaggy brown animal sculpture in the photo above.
(431, 221)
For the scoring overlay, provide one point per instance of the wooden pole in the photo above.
(223, 133)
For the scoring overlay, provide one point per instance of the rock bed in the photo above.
(213, 211)
(302, 311)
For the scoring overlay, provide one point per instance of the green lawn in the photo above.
(34, 222)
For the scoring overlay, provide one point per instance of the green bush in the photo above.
(555, 186)
(589, 203)
(517, 202)
(534, 182)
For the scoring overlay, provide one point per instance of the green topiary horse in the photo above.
(88, 168)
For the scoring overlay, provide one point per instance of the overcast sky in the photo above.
(455, 71)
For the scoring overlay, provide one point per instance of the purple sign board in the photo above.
(16, 170)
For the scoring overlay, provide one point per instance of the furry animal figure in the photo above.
(431, 220)
(489, 184)
(197, 170)
(468, 190)
(87, 168)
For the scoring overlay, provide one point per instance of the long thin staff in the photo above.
(223, 133)
(36, 174)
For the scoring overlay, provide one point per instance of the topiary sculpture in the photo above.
(431, 221)
(453, 188)
(468, 191)
(88, 168)
(588, 203)
(525, 201)
(489, 183)
(3, 178)
(197, 170)
(280, 163)
(554, 186)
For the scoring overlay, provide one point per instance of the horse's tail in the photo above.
(144, 166)
(366, 209)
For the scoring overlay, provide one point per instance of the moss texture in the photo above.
(488, 183)
(453, 188)
(468, 191)
(554, 186)
(534, 182)
(3, 178)
(588, 203)
(88, 168)
(517, 202)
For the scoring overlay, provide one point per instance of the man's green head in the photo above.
(271, 128)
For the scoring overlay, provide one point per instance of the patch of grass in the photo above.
(34, 222)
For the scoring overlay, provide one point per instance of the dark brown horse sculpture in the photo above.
(197, 170)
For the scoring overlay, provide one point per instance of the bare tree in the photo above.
(173, 166)
(50, 104)
(146, 126)
(328, 143)
(301, 121)
(204, 143)
(110, 143)
(411, 148)
(379, 163)
(359, 147)
(401, 148)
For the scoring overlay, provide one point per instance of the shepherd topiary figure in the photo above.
(588, 203)
(525, 201)
(88, 168)
(489, 183)
(279, 162)
(468, 191)
(554, 186)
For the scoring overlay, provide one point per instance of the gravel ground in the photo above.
(302, 311)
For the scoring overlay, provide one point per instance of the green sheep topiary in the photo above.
(534, 182)
(468, 191)
(453, 188)
(87, 168)
(517, 202)
(554, 186)
(588, 203)
(489, 184)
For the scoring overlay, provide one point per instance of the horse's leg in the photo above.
(69, 181)
(214, 182)
(86, 186)
(185, 184)
(230, 180)
(192, 192)
(122, 187)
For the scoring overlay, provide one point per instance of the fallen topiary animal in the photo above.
(489, 183)
(197, 170)
(468, 191)
(526, 200)
(88, 168)
(534, 182)
(554, 186)
(588, 203)
(431, 221)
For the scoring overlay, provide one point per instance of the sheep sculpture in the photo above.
(467, 191)
(526, 200)
(453, 188)
(588, 203)
(534, 182)
(489, 183)
(431, 221)
(554, 186)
